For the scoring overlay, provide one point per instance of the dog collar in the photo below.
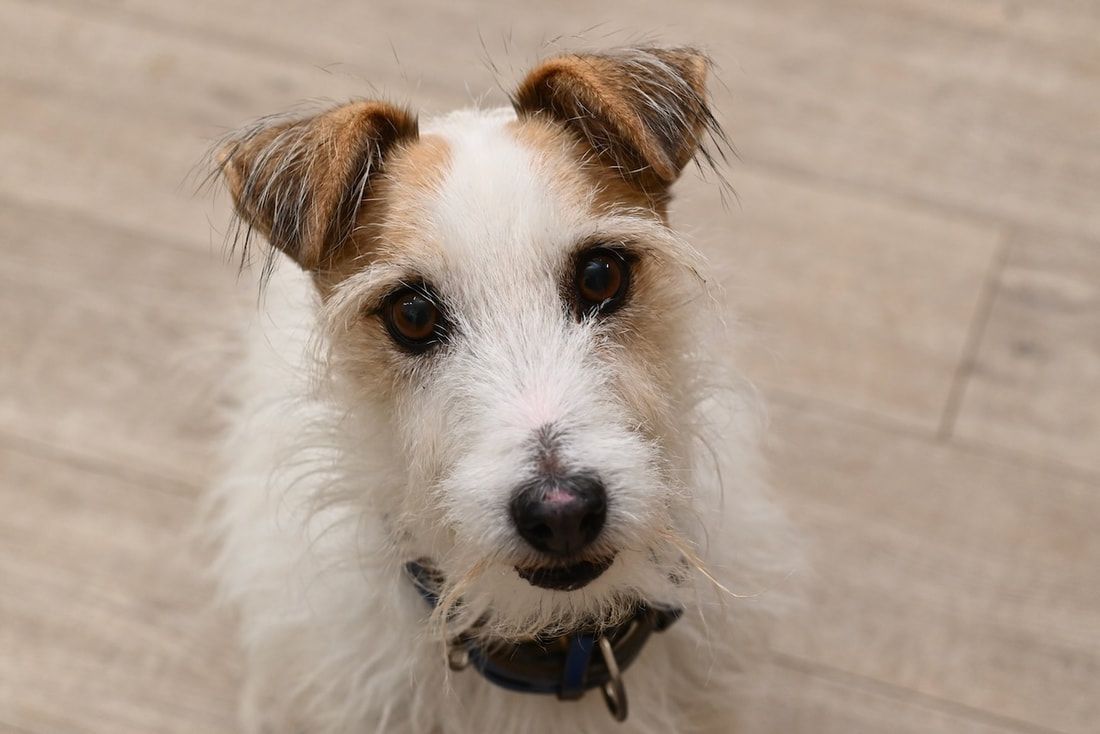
(566, 666)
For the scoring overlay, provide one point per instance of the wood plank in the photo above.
(114, 345)
(855, 301)
(966, 578)
(1035, 384)
(794, 700)
(984, 108)
(104, 619)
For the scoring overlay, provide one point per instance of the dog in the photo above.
(488, 469)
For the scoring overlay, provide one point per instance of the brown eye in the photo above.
(602, 279)
(413, 319)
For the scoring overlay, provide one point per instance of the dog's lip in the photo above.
(566, 577)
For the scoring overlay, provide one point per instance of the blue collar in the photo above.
(565, 666)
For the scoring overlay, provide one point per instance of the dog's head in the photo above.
(511, 321)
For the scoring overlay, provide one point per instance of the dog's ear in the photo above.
(301, 183)
(642, 110)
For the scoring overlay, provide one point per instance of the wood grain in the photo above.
(104, 620)
(800, 698)
(114, 344)
(872, 316)
(1035, 384)
(968, 578)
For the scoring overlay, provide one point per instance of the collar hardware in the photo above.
(565, 666)
(614, 692)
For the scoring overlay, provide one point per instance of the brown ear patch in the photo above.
(301, 183)
(643, 111)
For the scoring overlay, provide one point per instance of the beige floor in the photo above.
(916, 249)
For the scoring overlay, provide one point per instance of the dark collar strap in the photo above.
(566, 666)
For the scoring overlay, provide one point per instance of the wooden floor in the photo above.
(916, 249)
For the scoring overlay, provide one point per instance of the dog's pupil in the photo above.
(600, 279)
(415, 316)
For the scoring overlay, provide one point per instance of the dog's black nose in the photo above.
(560, 515)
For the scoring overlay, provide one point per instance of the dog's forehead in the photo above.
(482, 187)
(506, 193)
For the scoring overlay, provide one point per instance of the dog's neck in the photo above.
(563, 665)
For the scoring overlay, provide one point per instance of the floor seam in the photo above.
(975, 334)
(49, 451)
(909, 695)
(874, 421)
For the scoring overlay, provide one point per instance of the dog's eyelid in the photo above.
(627, 248)
(375, 302)
(421, 288)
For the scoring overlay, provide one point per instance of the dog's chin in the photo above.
(565, 577)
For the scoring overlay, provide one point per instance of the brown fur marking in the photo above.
(571, 163)
(642, 110)
(301, 183)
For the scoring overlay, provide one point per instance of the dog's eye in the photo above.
(601, 280)
(412, 319)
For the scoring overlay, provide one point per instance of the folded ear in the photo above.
(301, 183)
(642, 110)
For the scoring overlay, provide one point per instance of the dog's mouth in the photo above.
(566, 578)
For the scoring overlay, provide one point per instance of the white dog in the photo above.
(480, 426)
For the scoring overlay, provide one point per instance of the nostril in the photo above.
(541, 530)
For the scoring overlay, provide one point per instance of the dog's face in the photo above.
(512, 317)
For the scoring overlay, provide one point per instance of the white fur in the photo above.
(330, 490)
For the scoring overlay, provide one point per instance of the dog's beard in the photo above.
(485, 597)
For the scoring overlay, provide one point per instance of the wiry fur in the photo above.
(301, 180)
(350, 458)
(651, 99)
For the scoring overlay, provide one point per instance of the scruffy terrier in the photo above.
(486, 425)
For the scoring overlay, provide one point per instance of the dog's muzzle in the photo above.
(563, 665)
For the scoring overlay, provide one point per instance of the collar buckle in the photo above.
(567, 666)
